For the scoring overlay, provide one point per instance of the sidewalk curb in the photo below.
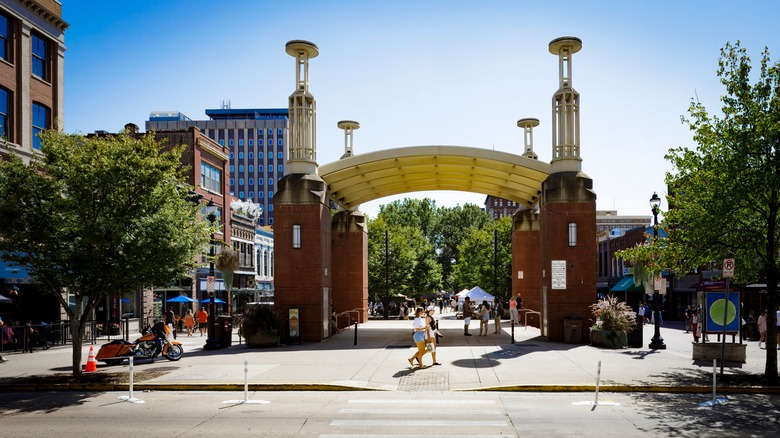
(229, 387)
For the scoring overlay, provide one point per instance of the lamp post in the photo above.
(657, 343)
(211, 342)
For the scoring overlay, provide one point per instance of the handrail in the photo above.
(525, 316)
(348, 313)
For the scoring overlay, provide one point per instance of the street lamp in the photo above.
(657, 343)
(211, 342)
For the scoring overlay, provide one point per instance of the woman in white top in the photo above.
(419, 337)
(432, 331)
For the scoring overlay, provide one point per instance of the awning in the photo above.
(626, 284)
(11, 273)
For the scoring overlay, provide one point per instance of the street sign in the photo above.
(728, 268)
(657, 282)
(210, 283)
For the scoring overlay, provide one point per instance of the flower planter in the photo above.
(609, 339)
(262, 340)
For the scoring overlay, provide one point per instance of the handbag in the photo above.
(429, 346)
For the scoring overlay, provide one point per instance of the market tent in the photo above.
(477, 295)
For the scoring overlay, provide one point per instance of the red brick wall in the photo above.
(350, 267)
(526, 257)
(568, 198)
(300, 273)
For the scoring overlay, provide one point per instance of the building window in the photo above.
(260, 195)
(572, 234)
(260, 155)
(241, 181)
(251, 168)
(252, 195)
(240, 167)
(296, 236)
(279, 132)
(271, 222)
(240, 154)
(280, 168)
(241, 194)
(222, 142)
(232, 168)
(231, 181)
(280, 155)
(5, 108)
(5, 39)
(270, 168)
(259, 141)
(251, 182)
(210, 178)
(281, 142)
(270, 132)
(240, 141)
(270, 181)
(270, 195)
(270, 207)
(230, 142)
(251, 155)
(41, 120)
(231, 155)
(40, 57)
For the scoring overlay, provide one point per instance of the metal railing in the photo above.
(46, 335)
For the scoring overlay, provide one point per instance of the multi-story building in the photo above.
(256, 140)
(264, 250)
(32, 51)
(608, 221)
(500, 207)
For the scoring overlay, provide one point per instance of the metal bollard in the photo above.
(513, 331)
(355, 333)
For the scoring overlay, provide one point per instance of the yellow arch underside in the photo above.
(363, 178)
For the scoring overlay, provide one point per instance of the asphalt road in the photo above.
(384, 414)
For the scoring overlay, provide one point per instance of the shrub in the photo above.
(613, 315)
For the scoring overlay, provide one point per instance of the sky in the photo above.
(416, 73)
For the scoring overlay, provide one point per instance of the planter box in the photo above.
(608, 339)
(262, 340)
(712, 350)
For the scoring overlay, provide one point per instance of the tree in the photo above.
(400, 262)
(486, 262)
(724, 196)
(98, 216)
(453, 226)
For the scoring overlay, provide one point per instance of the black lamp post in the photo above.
(211, 342)
(657, 343)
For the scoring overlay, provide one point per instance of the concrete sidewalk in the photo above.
(379, 362)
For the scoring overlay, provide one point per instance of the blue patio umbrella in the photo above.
(216, 300)
(180, 299)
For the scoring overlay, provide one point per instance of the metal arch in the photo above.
(362, 178)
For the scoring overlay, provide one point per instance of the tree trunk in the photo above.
(76, 331)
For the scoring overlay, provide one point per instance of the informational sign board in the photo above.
(558, 274)
(295, 323)
(714, 302)
(210, 283)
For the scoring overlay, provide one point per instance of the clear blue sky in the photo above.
(422, 72)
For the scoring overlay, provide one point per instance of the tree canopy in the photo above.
(98, 216)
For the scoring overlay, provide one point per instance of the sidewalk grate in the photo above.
(425, 380)
(398, 346)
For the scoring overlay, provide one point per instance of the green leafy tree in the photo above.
(98, 216)
(391, 262)
(724, 196)
(485, 261)
(452, 227)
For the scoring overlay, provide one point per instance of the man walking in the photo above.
(467, 314)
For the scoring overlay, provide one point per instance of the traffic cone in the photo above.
(91, 362)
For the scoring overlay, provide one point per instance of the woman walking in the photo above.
(432, 333)
(484, 317)
(762, 328)
(189, 322)
(418, 337)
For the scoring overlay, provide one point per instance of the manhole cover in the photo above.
(398, 346)
(425, 380)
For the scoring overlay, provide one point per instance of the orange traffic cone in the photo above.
(91, 362)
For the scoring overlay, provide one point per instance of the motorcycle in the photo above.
(153, 342)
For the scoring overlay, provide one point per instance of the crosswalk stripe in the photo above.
(423, 402)
(473, 412)
(430, 423)
(337, 435)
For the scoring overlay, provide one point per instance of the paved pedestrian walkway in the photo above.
(376, 359)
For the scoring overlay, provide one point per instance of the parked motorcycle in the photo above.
(151, 344)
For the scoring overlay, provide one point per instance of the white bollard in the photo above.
(715, 399)
(130, 398)
(598, 380)
(246, 400)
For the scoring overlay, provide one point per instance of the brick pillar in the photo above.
(349, 258)
(526, 262)
(568, 198)
(302, 276)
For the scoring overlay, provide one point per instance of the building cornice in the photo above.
(212, 148)
(45, 14)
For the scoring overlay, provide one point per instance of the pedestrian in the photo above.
(419, 337)
(513, 315)
(695, 325)
(777, 322)
(484, 318)
(432, 334)
(29, 332)
(6, 335)
(189, 321)
(762, 328)
(641, 313)
(203, 320)
(170, 321)
(499, 309)
(688, 312)
(467, 314)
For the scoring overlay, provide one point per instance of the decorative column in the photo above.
(526, 250)
(349, 126)
(567, 213)
(302, 241)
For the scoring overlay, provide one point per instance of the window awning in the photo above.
(626, 284)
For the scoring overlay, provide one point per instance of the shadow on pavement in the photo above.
(24, 402)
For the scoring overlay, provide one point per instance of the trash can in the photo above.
(224, 330)
(572, 330)
(635, 335)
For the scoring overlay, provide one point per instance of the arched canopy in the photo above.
(362, 178)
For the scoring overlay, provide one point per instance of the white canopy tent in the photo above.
(477, 295)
